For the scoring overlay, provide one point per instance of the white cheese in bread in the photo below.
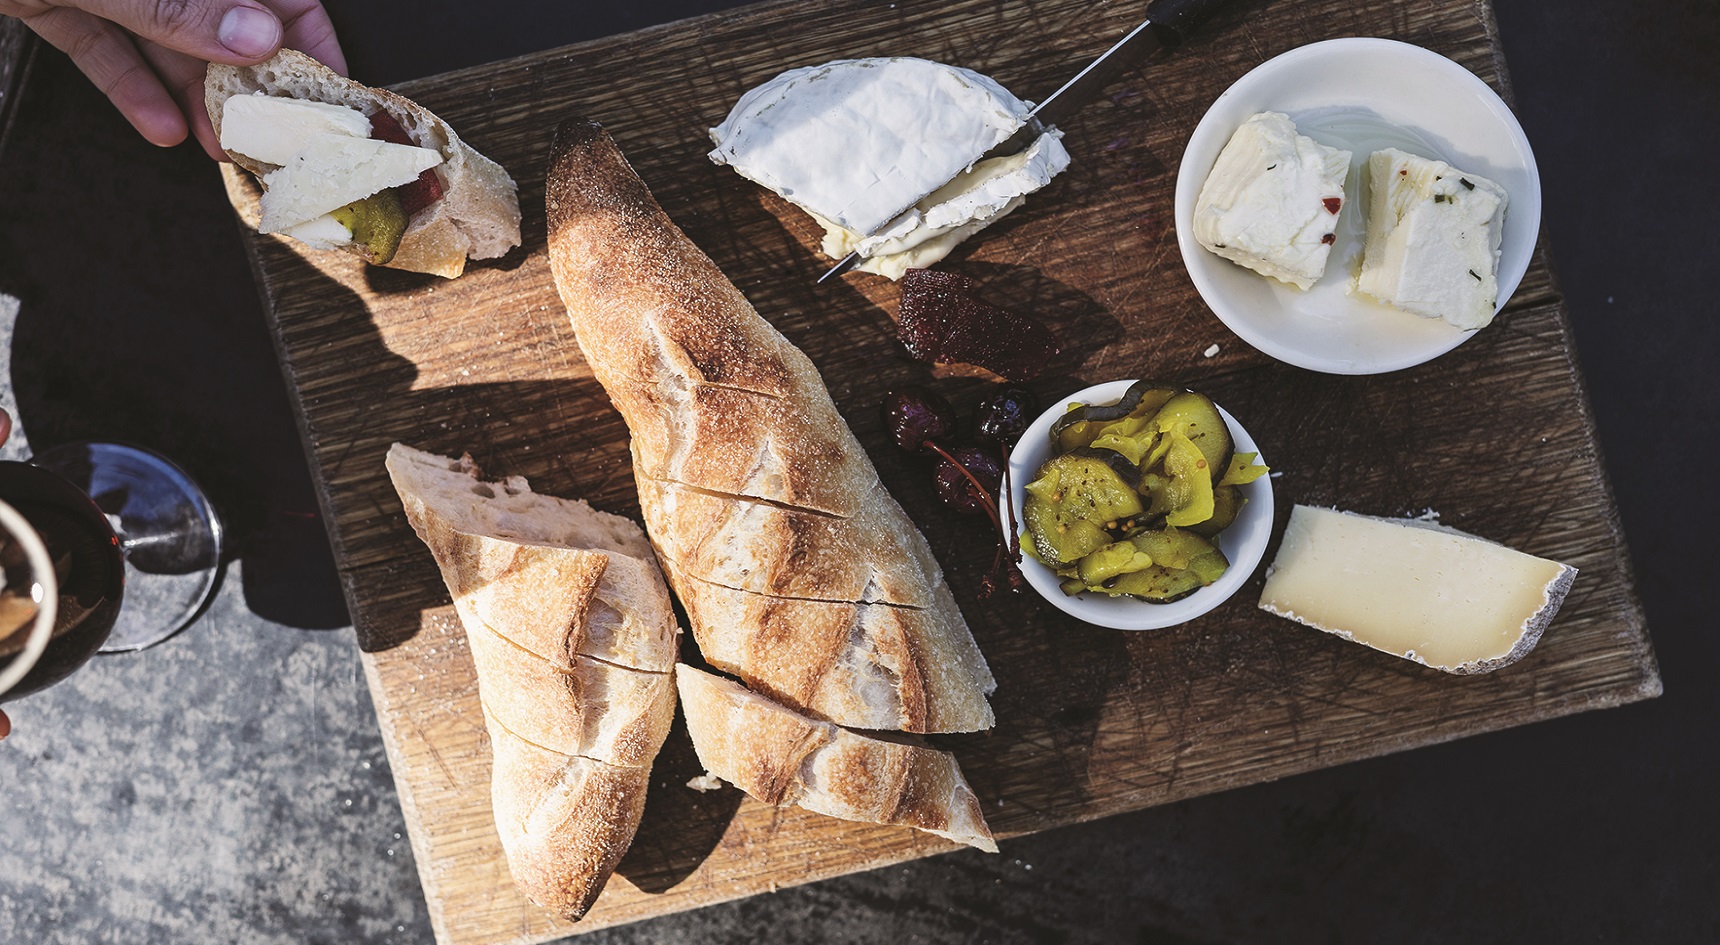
(331, 171)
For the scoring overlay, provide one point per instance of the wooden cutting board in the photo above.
(1497, 436)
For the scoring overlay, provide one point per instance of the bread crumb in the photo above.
(706, 782)
(1211, 352)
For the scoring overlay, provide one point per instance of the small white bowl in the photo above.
(1361, 95)
(1244, 542)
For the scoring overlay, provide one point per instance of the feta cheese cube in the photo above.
(1433, 239)
(1272, 201)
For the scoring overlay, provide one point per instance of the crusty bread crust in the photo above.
(564, 821)
(478, 216)
(750, 478)
(784, 758)
(572, 639)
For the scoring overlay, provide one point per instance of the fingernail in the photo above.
(250, 32)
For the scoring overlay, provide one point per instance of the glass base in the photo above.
(170, 533)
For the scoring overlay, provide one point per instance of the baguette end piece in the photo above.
(783, 758)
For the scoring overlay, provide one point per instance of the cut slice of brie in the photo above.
(1433, 239)
(1414, 589)
(271, 129)
(331, 171)
(853, 142)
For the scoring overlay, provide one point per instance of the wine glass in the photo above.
(64, 576)
(168, 531)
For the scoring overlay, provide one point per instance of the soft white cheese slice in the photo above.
(1433, 239)
(1272, 201)
(324, 232)
(853, 142)
(975, 199)
(332, 171)
(271, 130)
(1414, 589)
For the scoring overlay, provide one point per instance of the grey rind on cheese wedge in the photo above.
(751, 481)
(572, 638)
(478, 216)
(785, 759)
(1415, 589)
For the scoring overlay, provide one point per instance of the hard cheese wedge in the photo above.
(1414, 589)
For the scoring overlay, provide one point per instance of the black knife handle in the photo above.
(1176, 20)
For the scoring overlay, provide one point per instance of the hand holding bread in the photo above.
(149, 58)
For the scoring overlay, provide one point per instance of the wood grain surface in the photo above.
(1496, 436)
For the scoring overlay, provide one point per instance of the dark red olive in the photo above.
(958, 491)
(1004, 415)
(915, 415)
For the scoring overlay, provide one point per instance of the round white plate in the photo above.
(1244, 542)
(1361, 95)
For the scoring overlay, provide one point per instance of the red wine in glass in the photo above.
(88, 573)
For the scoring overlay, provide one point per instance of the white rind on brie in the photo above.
(1414, 589)
(853, 142)
(1272, 201)
(1433, 239)
(974, 200)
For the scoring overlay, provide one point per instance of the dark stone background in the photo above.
(231, 786)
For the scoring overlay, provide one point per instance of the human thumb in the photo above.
(237, 32)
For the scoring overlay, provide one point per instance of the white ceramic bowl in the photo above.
(1244, 542)
(1361, 95)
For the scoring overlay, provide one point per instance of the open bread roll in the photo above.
(478, 214)
(798, 570)
(573, 640)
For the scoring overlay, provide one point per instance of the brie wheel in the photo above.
(852, 142)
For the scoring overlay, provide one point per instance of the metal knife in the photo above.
(1168, 24)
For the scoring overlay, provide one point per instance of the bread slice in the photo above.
(572, 640)
(784, 758)
(874, 556)
(565, 821)
(478, 216)
(765, 510)
(554, 576)
(869, 666)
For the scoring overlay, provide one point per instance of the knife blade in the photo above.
(1168, 24)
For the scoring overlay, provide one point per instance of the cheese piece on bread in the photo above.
(478, 214)
(784, 758)
(572, 637)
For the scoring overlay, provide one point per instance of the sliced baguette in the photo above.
(554, 576)
(784, 758)
(869, 666)
(478, 216)
(573, 728)
(564, 821)
(732, 425)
